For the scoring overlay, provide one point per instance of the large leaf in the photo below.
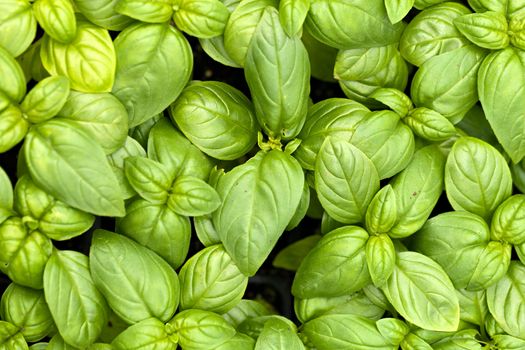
(277, 71)
(78, 308)
(501, 88)
(335, 266)
(259, 198)
(138, 284)
(422, 293)
(345, 180)
(477, 177)
(148, 82)
(71, 166)
(17, 25)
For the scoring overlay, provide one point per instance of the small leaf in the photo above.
(191, 196)
(381, 214)
(277, 335)
(13, 80)
(146, 334)
(17, 25)
(398, 9)
(150, 11)
(149, 178)
(429, 124)
(380, 258)
(201, 18)
(508, 222)
(46, 99)
(57, 18)
(6, 196)
(13, 128)
(292, 14)
(488, 29)
(395, 100)
(11, 337)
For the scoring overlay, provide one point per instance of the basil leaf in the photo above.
(429, 124)
(477, 177)
(253, 327)
(6, 196)
(13, 128)
(335, 266)
(116, 160)
(277, 71)
(17, 25)
(422, 293)
(31, 63)
(103, 14)
(290, 257)
(380, 258)
(91, 49)
(292, 14)
(247, 309)
(216, 118)
(68, 164)
(488, 29)
(13, 81)
(147, 334)
(198, 329)
(413, 342)
(157, 228)
(278, 334)
(517, 27)
(330, 332)
(156, 11)
(201, 18)
(507, 223)
(337, 117)
(398, 9)
(211, 281)
(241, 26)
(46, 99)
(395, 100)
(10, 337)
(345, 180)
(359, 64)
(238, 342)
(26, 308)
(327, 21)
(102, 116)
(147, 83)
(473, 306)
(191, 196)
(322, 58)
(504, 299)
(500, 87)
(23, 254)
(454, 94)
(508, 342)
(266, 189)
(489, 5)
(57, 18)
(432, 32)
(417, 188)
(302, 208)
(149, 178)
(167, 146)
(138, 284)
(78, 308)
(393, 330)
(381, 214)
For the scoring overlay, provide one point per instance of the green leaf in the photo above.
(17, 25)
(78, 308)
(398, 9)
(157, 228)
(259, 198)
(277, 71)
(31, 62)
(92, 49)
(241, 26)
(277, 335)
(422, 293)
(517, 28)
(201, 18)
(150, 11)
(57, 18)
(508, 222)
(393, 330)
(292, 14)
(417, 188)
(238, 342)
(149, 178)
(6, 196)
(169, 147)
(26, 308)
(477, 177)
(460, 243)
(216, 118)
(103, 13)
(148, 83)
(68, 164)
(11, 338)
(46, 99)
(215, 48)
(330, 332)
(488, 29)
(191, 196)
(23, 254)
(138, 284)
(491, 5)
(413, 342)
(473, 306)
(116, 160)
(322, 58)
(148, 334)
(247, 309)
(13, 81)
(302, 208)
(101, 115)
(140, 133)
(328, 22)
(253, 327)
(335, 266)
(432, 32)
(211, 281)
(13, 128)
(345, 180)
(381, 214)
(361, 63)
(453, 94)
(199, 329)
(331, 117)
(501, 88)
(505, 300)
(395, 100)
(507, 342)
(429, 124)
(290, 257)
(380, 258)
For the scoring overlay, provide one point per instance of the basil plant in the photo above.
(160, 158)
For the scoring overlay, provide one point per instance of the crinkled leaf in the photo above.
(13, 128)
(201, 18)
(361, 63)
(488, 29)
(103, 13)
(191, 196)
(508, 222)
(46, 99)
(429, 124)
(149, 178)
(11, 338)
